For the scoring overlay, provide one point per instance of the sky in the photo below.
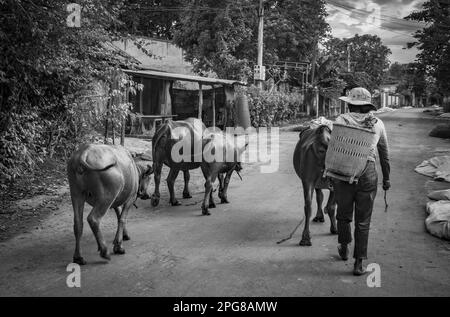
(380, 17)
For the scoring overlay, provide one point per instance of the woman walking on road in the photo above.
(358, 198)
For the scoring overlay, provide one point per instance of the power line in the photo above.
(378, 26)
(383, 17)
(191, 8)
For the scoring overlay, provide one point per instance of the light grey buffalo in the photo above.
(309, 164)
(105, 177)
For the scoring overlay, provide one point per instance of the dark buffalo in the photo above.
(164, 139)
(309, 164)
(173, 133)
(105, 177)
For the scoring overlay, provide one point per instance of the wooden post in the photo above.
(213, 105)
(106, 120)
(124, 122)
(141, 98)
(260, 39)
(200, 101)
(316, 101)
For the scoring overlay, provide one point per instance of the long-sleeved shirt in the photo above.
(359, 120)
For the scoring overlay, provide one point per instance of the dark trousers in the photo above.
(359, 198)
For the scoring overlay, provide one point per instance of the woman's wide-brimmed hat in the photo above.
(359, 96)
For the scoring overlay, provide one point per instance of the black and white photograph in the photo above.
(225, 155)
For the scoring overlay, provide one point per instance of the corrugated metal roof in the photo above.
(183, 77)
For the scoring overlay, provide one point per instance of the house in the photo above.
(164, 97)
(389, 97)
(171, 90)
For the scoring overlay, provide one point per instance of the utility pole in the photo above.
(348, 58)
(314, 90)
(260, 41)
(314, 59)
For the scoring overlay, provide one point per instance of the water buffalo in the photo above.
(164, 139)
(173, 133)
(105, 177)
(309, 164)
(213, 167)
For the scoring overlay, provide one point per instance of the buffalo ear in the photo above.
(149, 170)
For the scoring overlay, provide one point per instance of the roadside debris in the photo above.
(438, 220)
(437, 167)
(441, 131)
(384, 109)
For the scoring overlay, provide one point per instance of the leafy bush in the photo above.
(270, 108)
(46, 70)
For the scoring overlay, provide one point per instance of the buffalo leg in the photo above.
(173, 173)
(94, 219)
(319, 199)
(187, 176)
(330, 209)
(211, 204)
(221, 185)
(307, 193)
(208, 188)
(157, 167)
(121, 213)
(223, 188)
(78, 207)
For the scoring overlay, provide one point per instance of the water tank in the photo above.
(242, 111)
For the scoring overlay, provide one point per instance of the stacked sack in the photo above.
(438, 220)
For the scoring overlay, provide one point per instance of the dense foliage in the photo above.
(45, 71)
(410, 77)
(222, 36)
(368, 59)
(270, 108)
(433, 42)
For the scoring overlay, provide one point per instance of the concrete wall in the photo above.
(166, 56)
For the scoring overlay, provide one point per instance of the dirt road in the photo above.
(175, 251)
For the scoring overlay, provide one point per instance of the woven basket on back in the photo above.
(347, 153)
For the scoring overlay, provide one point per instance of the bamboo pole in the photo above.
(200, 100)
(214, 105)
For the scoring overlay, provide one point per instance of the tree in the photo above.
(293, 28)
(44, 70)
(396, 71)
(152, 18)
(221, 36)
(433, 41)
(411, 78)
(367, 55)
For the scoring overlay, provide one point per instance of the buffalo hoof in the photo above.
(126, 237)
(305, 243)
(104, 254)
(118, 249)
(205, 211)
(343, 252)
(212, 205)
(79, 260)
(155, 201)
(175, 203)
(333, 230)
(224, 201)
(319, 219)
(187, 195)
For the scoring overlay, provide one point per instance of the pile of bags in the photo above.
(438, 221)
(437, 167)
(438, 209)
